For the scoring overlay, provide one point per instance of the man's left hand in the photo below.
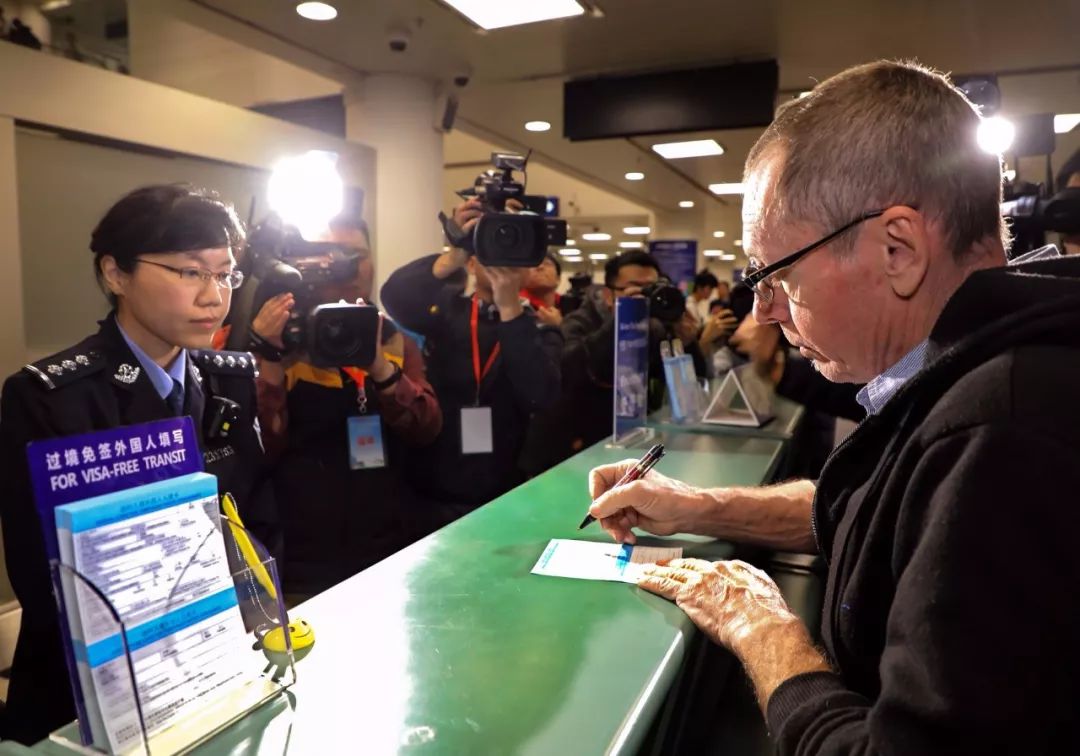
(505, 289)
(686, 328)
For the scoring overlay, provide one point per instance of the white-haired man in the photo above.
(948, 519)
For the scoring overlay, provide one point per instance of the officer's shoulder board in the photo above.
(65, 367)
(224, 363)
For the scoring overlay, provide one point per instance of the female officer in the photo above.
(164, 255)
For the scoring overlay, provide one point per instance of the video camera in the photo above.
(501, 238)
(1031, 214)
(279, 259)
(666, 302)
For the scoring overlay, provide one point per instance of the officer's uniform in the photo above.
(95, 385)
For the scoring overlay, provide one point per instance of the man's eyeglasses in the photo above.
(201, 276)
(760, 280)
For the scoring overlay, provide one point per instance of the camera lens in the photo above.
(507, 236)
(334, 337)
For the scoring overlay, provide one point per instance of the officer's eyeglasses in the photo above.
(763, 280)
(201, 276)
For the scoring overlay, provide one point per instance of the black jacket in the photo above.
(524, 378)
(949, 522)
(87, 396)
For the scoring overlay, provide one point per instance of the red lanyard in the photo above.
(474, 322)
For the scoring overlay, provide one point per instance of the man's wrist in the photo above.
(381, 369)
(775, 650)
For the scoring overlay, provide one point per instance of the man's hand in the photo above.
(655, 503)
(740, 607)
(505, 290)
(686, 328)
(468, 214)
(549, 316)
(273, 315)
(718, 326)
(760, 343)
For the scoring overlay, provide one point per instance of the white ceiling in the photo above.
(517, 73)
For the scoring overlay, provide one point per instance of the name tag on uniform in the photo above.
(476, 434)
(366, 449)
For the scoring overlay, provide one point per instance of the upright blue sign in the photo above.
(678, 259)
(72, 468)
(631, 364)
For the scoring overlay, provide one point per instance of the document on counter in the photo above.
(157, 553)
(590, 560)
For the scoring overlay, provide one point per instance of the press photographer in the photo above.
(492, 364)
(343, 398)
(584, 413)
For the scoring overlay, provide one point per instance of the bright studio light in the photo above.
(317, 11)
(307, 191)
(995, 135)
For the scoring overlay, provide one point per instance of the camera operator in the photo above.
(584, 412)
(492, 365)
(540, 287)
(339, 520)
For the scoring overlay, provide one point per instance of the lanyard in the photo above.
(473, 322)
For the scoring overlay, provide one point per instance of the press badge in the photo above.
(366, 450)
(476, 434)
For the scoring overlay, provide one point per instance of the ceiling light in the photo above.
(317, 11)
(719, 234)
(726, 188)
(635, 176)
(571, 242)
(714, 252)
(636, 230)
(995, 135)
(686, 203)
(598, 256)
(727, 257)
(496, 14)
(738, 242)
(1065, 122)
(538, 126)
(570, 252)
(631, 245)
(597, 236)
(695, 148)
(53, 5)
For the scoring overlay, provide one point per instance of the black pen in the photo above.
(638, 471)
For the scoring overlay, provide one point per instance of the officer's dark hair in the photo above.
(163, 218)
(705, 278)
(617, 263)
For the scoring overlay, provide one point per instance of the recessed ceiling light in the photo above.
(317, 11)
(719, 234)
(695, 148)
(631, 245)
(714, 252)
(496, 14)
(686, 203)
(636, 230)
(726, 188)
(635, 176)
(571, 242)
(538, 126)
(597, 236)
(53, 5)
(738, 242)
(1065, 122)
(727, 258)
(569, 252)
(598, 256)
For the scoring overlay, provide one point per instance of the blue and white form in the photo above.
(592, 560)
(157, 553)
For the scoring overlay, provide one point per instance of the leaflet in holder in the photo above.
(744, 398)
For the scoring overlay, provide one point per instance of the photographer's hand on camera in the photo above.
(505, 288)
(270, 322)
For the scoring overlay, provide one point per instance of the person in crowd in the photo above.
(340, 517)
(697, 304)
(1069, 178)
(540, 289)
(584, 413)
(873, 227)
(165, 257)
(492, 365)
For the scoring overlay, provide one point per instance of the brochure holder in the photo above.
(126, 666)
(744, 398)
(685, 393)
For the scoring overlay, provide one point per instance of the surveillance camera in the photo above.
(462, 78)
(398, 40)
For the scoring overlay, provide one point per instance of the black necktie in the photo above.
(175, 399)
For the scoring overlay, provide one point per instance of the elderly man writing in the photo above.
(948, 519)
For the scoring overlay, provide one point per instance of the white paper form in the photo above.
(589, 560)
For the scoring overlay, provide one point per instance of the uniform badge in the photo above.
(127, 374)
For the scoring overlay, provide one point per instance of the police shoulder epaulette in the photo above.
(224, 363)
(65, 367)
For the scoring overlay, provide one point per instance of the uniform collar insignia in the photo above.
(127, 374)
